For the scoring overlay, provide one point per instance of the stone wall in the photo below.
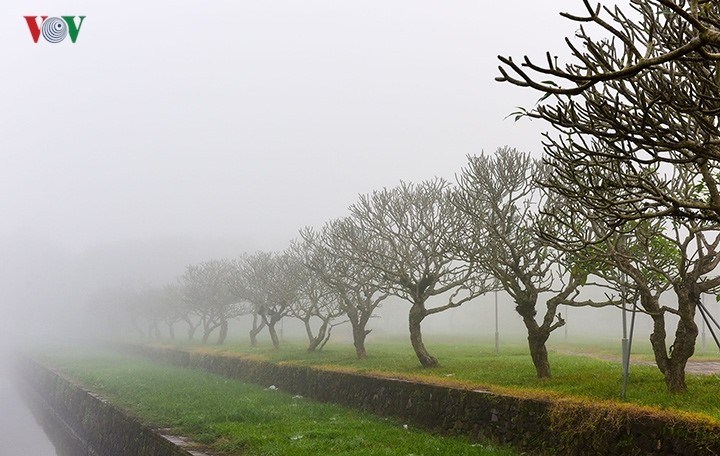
(82, 423)
(537, 425)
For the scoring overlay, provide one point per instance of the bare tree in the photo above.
(637, 139)
(316, 299)
(207, 289)
(126, 309)
(141, 307)
(271, 284)
(667, 264)
(501, 198)
(172, 306)
(411, 231)
(330, 254)
(634, 110)
(189, 313)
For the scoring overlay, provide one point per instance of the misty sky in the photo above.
(176, 132)
(247, 120)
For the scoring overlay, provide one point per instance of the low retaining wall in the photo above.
(83, 423)
(539, 426)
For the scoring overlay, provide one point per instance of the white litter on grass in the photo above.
(271, 388)
(296, 437)
(405, 426)
(297, 396)
(449, 375)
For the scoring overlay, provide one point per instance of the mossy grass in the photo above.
(474, 365)
(233, 418)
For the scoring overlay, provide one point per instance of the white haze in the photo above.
(176, 132)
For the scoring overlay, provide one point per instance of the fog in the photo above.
(177, 132)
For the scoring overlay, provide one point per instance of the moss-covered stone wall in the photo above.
(538, 425)
(85, 422)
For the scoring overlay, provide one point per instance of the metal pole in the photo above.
(705, 314)
(497, 331)
(702, 333)
(626, 367)
(625, 344)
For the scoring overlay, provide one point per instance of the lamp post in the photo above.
(624, 343)
(627, 343)
(497, 331)
(702, 332)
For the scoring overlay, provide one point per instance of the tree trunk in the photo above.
(672, 365)
(416, 316)
(153, 330)
(308, 331)
(137, 327)
(537, 334)
(253, 336)
(326, 339)
(675, 378)
(273, 334)
(256, 329)
(359, 335)
(316, 341)
(538, 352)
(223, 332)
(171, 330)
(207, 330)
(191, 328)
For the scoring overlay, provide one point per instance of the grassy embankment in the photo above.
(235, 418)
(477, 365)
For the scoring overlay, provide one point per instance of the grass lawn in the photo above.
(469, 363)
(237, 418)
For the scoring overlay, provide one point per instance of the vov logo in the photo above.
(54, 29)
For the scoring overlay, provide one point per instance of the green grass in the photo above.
(237, 418)
(470, 363)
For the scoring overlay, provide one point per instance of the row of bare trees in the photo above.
(626, 198)
(438, 246)
(433, 244)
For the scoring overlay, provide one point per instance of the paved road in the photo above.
(703, 367)
(693, 366)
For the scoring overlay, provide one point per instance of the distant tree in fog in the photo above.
(172, 307)
(359, 289)
(501, 199)
(316, 300)
(122, 310)
(408, 238)
(271, 282)
(149, 299)
(136, 307)
(207, 289)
